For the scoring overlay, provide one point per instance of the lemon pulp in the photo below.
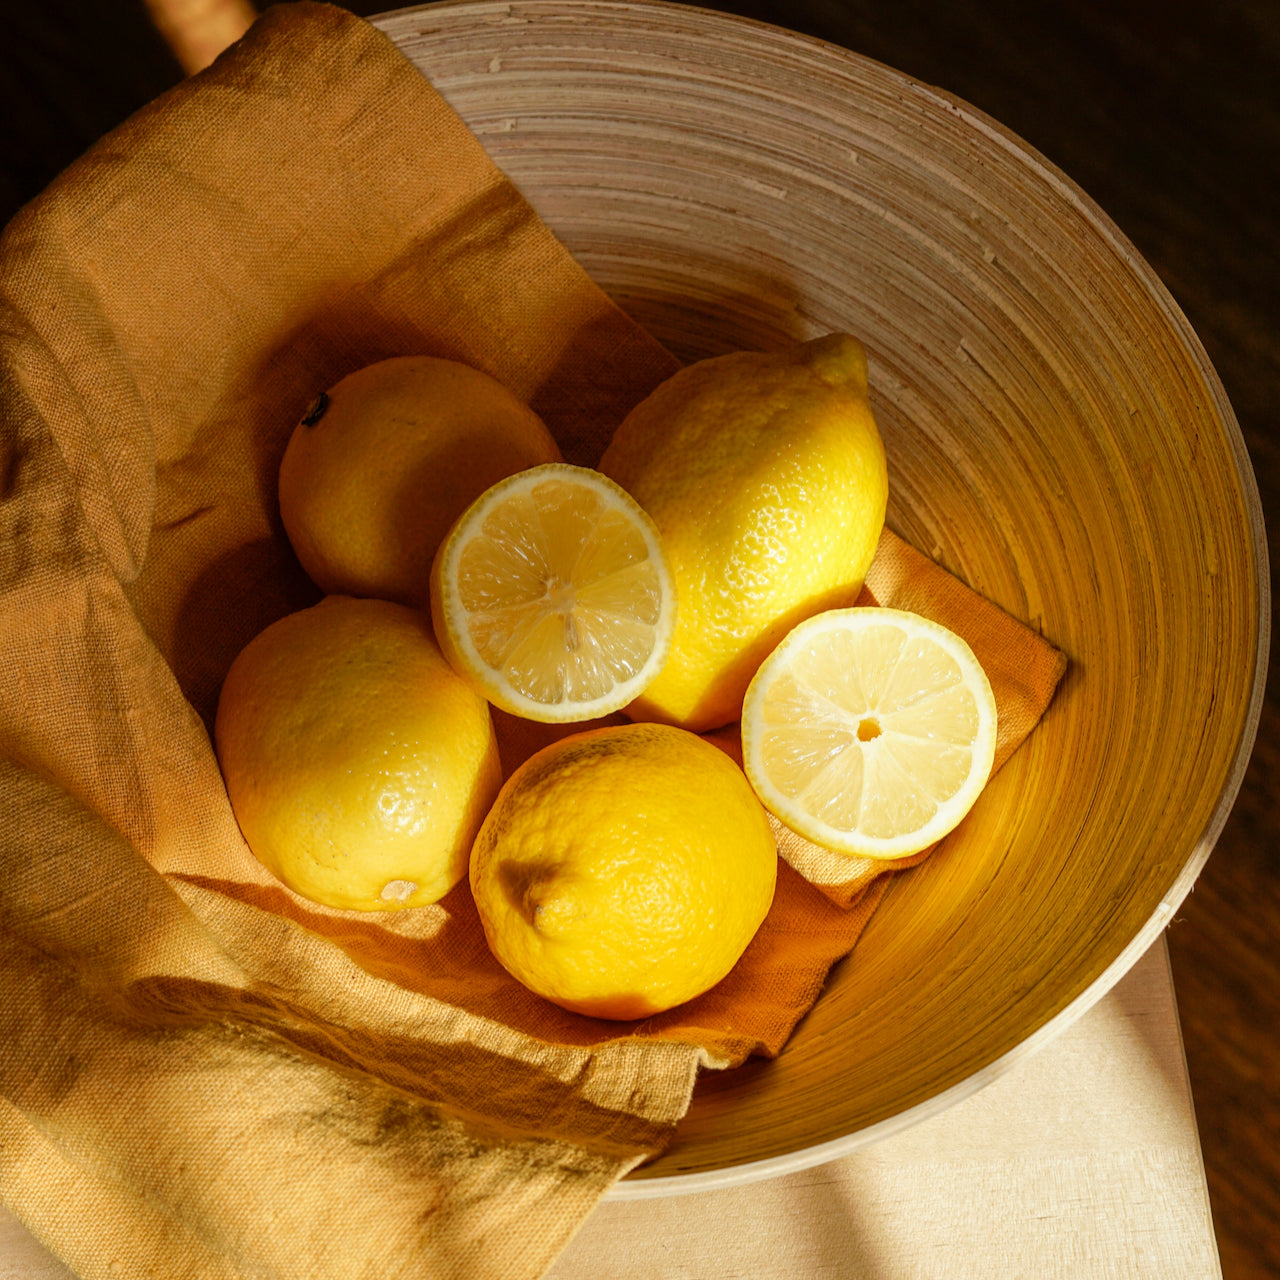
(552, 594)
(870, 731)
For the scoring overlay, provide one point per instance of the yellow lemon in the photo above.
(624, 870)
(552, 595)
(383, 463)
(765, 475)
(870, 731)
(358, 764)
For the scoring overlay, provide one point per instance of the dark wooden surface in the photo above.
(1168, 114)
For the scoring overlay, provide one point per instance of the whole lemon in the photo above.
(623, 870)
(765, 475)
(358, 764)
(383, 463)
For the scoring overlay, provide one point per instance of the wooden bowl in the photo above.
(1056, 437)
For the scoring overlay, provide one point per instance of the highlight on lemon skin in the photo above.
(623, 871)
(552, 595)
(359, 765)
(870, 731)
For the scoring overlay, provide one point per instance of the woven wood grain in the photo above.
(1056, 436)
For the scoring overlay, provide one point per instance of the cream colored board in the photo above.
(1083, 1162)
(22, 1257)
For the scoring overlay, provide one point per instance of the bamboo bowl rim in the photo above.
(666, 145)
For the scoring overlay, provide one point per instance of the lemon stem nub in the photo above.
(398, 890)
(316, 410)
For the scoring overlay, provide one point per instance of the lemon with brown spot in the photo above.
(623, 871)
(358, 764)
(383, 463)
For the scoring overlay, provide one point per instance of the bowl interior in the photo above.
(1056, 438)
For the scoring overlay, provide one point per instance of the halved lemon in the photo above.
(869, 731)
(552, 595)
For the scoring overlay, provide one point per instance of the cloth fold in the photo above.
(201, 1073)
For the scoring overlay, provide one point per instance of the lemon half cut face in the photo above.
(870, 731)
(552, 595)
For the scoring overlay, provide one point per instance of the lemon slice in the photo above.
(869, 731)
(552, 594)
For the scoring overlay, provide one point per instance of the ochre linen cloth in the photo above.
(201, 1074)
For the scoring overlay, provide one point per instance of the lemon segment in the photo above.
(552, 595)
(870, 731)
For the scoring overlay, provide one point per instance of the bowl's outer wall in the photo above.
(1056, 437)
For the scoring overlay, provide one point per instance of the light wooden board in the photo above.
(1083, 1162)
